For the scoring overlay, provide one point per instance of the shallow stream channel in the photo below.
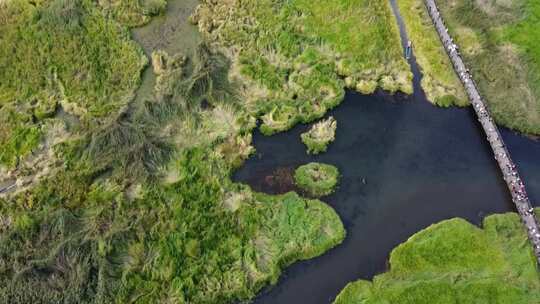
(405, 164)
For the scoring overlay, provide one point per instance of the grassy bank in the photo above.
(456, 262)
(140, 207)
(296, 57)
(499, 43)
(144, 210)
(198, 240)
(440, 82)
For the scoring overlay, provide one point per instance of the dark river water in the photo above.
(405, 164)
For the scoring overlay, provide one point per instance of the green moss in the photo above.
(439, 80)
(317, 179)
(294, 55)
(498, 41)
(320, 136)
(456, 262)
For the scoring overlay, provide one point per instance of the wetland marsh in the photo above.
(146, 173)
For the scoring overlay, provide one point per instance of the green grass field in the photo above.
(499, 42)
(296, 57)
(456, 262)
(440, 82)
(200, 239)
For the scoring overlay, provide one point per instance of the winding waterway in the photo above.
(405, 165)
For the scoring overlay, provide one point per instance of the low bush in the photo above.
(18, 136)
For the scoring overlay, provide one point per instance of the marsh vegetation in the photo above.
(295, 58)
(439, 81)
(320, 135)
(137, 204)
(317, 179)
(456, 262)
(60, 53)
(140, 206)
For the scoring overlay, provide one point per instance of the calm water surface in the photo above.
(405, 164)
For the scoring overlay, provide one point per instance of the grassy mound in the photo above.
(320, 136)
(456, 262)
(317, 179)
(61, 52)
(440, 82)
(292, 56)
(499, 42)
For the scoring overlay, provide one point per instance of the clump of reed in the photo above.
(320, 135)
(317, 179)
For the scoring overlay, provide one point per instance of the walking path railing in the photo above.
(507, 166)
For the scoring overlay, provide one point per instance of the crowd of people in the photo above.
(511, 176)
